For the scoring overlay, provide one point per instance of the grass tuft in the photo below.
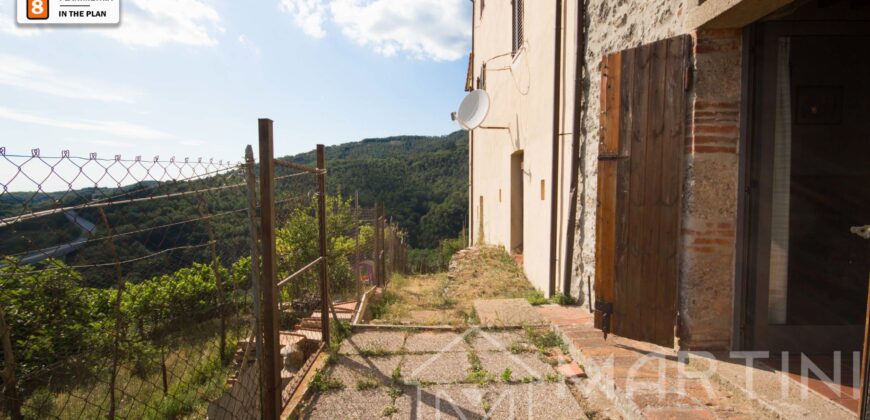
(322, 382)
(363, 384)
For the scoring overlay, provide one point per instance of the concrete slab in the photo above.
(535, 400)
(435, 342)
(506, 313)
(497, 340)
(377, 341)
(353, 368)
(437, 368)
(447, 401)
(524, 365)
(348, 404)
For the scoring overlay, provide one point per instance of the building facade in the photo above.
(689, 169)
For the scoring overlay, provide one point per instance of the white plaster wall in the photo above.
(521, 90)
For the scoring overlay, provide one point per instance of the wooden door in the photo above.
(640, 161)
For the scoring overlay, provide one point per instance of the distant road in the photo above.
(58, 251)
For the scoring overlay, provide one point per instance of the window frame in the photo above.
(517, 26)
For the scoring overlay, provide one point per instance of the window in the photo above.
(518, 18)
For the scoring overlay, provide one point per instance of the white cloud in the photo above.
(112, 143)
(8, 26)
(249, 44)
(423, 29)
(24, 74)
(308, 15)
(153, 23)
(116, 128)
(193, 143)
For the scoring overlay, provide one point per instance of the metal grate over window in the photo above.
(518, 19)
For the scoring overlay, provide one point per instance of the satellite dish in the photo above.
(473, 109)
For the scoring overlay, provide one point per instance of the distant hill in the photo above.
(421, 180)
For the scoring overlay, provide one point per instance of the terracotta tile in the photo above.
(678, 414)
(571, 370)
(852, 404)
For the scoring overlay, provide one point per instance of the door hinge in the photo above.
(611, 156)
(606, 309)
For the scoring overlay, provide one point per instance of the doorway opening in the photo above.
(808, 183)
(517, 200)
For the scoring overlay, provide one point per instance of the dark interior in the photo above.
(828, 266)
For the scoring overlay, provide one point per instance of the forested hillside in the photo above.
(421, 180)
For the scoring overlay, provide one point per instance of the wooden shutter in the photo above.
(643, 115)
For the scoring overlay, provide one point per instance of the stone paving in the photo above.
(441, 374)
(643, 380)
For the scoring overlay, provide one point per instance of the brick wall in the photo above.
(710, 204)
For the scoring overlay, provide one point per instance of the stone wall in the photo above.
(710, 192)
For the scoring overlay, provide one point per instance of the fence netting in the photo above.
(132, 288)
(124, 285)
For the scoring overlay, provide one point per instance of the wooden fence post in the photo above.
(321, 219)
(271, 352)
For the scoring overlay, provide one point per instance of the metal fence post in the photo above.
(321, 219)
(379, 246)
(382, 273)
(356, 260)
(271, 352)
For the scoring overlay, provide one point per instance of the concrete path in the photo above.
(441, 374)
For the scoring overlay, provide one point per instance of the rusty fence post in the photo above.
(321, 219)
(119, 318)
(271, 346)
(356, 267)
(10, 384)
(379, 247)
(382, 273)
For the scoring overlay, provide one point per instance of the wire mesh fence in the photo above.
(124, 284)
(139, 288)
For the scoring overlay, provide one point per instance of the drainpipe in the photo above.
(579, 67)
(471, 146)
(554, 186)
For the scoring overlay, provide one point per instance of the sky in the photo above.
(190, 78)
